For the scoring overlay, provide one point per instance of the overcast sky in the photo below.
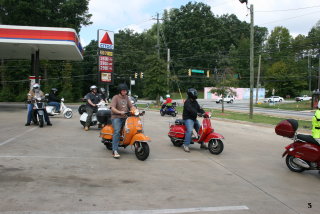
(299, 16)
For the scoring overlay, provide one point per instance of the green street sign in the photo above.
(197, 71)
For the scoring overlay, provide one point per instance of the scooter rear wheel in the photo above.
(142, 150)
(215, 146)
(292, 166)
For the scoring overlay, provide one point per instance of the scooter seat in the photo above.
(179, 122)
(307, 138)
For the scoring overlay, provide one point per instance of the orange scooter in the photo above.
(131, 134)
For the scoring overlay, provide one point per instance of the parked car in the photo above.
(228, 99)
(303, 98)
(273, 99)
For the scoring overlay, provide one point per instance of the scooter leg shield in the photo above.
(139, 137)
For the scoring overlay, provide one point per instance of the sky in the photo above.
(299, 16)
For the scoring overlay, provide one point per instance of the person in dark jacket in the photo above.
(191, 110)
(93, 98)
(53, 100)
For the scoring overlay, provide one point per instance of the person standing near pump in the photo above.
(316, 124)
(35, 92)
(191, 110)
(53, 100)
(93, 98)
(120, 104)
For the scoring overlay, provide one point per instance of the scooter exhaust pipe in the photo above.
(301, 163)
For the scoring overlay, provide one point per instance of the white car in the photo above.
(228, 99)
(273, 99)
(303, 98)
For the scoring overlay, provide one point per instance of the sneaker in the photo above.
(186, 148)
(116, 154)
(27, 124)
(86, 128)
(49, 124)
(203, 146)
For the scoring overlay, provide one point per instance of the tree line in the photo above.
(196, 37)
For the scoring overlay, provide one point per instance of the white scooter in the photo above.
(99, 117)
(67, 112)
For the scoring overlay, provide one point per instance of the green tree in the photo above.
(49, 13)
(155, 77)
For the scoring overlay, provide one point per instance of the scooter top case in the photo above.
(177, 130)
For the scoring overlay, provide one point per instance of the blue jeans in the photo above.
(117, 124)
(55, 104)
(190, 124)
(29, 117)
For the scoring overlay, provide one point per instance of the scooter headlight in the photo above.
(136, 112)
(39, 98)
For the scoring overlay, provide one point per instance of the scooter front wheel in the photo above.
(68, 114)
(41, 121)
(142, 150)
(292, 166)
(215, 146)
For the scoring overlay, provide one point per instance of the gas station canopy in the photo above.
(20, 42)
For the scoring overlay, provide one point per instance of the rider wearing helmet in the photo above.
(102, 93)
(35, 92)
(191, 109)
(53, 100)
(120, 104)
(168, 102)
(93, 98)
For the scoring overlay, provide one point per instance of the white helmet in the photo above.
(168, 96)
(319, 105)
(36, 86)
(93, 87)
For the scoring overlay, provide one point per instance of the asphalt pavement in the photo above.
(63, 169)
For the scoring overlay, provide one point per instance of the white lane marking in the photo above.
(13, 138)
(160, 211)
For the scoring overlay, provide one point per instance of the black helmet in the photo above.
(192, 93)
(123, 86)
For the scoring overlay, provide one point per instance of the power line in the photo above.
(301, 8)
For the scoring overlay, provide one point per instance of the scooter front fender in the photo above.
(285, 153)
(67, 109)
(139, 137)
(40, 112)
(213, 135)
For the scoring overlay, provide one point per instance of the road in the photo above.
(63, 169)
(243, 106)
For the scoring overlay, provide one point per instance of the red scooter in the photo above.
(304, 152)
(206, 134)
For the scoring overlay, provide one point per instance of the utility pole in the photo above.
(251, 61)
(309, 71)
(251, 55)
(168, 70)
(319, 72)
(258, 78)
(158, 35)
